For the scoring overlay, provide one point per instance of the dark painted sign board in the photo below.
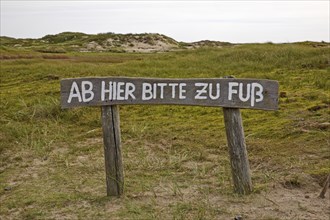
(230, 93)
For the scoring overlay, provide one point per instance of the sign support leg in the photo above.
(237, 151)
(112, 150)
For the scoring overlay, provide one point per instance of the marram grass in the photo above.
(175, 158)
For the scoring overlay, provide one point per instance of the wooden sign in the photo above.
(232, 93)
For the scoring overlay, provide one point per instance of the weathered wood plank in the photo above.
(231, 93)
(112, 150)
(237, 151)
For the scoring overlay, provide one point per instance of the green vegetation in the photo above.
(81, 42)
(103, 42)
(175, 158)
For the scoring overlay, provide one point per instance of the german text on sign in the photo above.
(232, 93)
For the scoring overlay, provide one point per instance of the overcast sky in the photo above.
(233, 21)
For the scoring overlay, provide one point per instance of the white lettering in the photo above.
(217, 91)
(201, 91)
(146, 91)
(253, 92)
(103, 90)
(130, 89)
(182, 91)
(161, 87)
(248, 92)
(117, 91)
(114, 91)
(120, 91)
(155, 91)
(173, 85)
(74, 92)
(231, 91)
(87, 91)
(257, 93)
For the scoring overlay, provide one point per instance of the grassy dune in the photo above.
(175, 158)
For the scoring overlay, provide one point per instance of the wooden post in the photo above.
(227, 92)
(237, 151)
(325, 187)
(112, 150)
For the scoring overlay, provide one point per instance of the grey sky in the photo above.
(233, 21)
